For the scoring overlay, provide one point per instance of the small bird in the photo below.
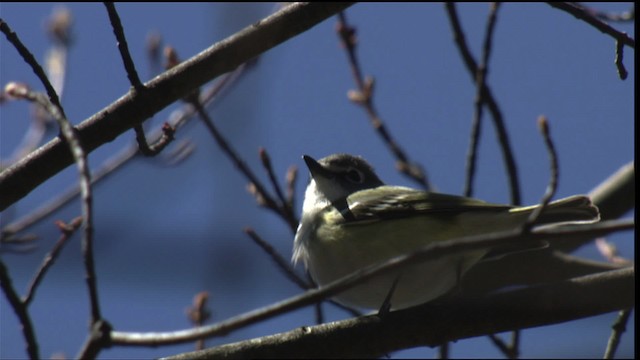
(351, 220)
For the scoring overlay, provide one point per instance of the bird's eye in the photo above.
(354, 176)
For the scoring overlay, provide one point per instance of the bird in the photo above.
(351, 220)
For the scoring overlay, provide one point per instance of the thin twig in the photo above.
(515, 343)
(509, 350)
(285, 208)
(443, 351)
(481, 76)
(280, 262)
(261, 194)
(80, 157)
(121, 39)
(21, 312)
(312, 296)
(319, 314)
(498, 121)
(543, 125)
(256, 188)
(58, 28)
(290, 273)
(266, 162)
(292, 176)
(622, 71)
(500, 344)
(99, 338)
(583, 14)
(33, 63)
(138, 87)
(589, 16)
(199, 314)
(67, 230)
(364, 97)
(618, 328)
(157, 147)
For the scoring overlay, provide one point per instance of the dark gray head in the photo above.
(340, 175)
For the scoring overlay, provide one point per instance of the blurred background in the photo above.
(165, 231)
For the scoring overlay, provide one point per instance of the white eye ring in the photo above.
(354, 176)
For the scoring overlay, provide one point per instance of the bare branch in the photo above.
(199, 313)
(67, 230)
(281, 263)
(33, 63)
(21, 312)
(622, 71)
(543, 125)
(496, 113)
(80, 158)
(480, 100)
(581, 13)
(509, 351)
(364, 97)
(121, 39)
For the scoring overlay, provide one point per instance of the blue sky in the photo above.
(164, 233)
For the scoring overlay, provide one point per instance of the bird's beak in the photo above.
(317, 170)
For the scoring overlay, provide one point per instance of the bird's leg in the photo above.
(386, 304)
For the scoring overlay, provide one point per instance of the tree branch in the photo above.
(432, 324)
(312, 296)
(581, 13)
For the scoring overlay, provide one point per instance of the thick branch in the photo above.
(432, 324)
(131, 109)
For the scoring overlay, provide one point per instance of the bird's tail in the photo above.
(576, 208)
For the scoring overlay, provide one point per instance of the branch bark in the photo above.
(433, 324)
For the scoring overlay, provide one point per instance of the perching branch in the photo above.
(312, 296)
(432, 324)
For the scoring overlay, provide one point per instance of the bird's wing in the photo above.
(398, 202)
